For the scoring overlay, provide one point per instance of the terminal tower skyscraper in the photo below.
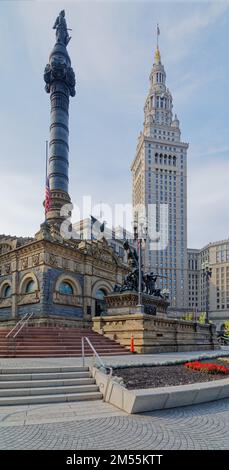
(159, 175)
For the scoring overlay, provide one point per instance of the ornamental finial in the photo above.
(157, 56)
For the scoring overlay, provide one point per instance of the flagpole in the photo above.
(158, 32)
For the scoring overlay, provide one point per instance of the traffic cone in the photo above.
(132, 344)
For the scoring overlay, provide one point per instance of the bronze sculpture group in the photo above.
(131, 280)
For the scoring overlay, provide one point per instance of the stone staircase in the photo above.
(55, 341)
(47, 385)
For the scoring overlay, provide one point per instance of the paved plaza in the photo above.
(101, 426)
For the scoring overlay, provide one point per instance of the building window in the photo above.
(65, 288)
(7, 291)
(30, 287)
(99, 302)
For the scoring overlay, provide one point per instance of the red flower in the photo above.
(207, 367)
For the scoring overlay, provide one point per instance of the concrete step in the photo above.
(20, 386)
(52, 341)
(63, 354)
(56, 330)
(59, 348)
(12, 384)
(13, 392)
(70, 345)
(56, 342)
(30, 400)
(44, 369)
(43, 376)
(53, 338)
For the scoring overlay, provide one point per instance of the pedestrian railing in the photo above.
(95, 354)
(20, 325)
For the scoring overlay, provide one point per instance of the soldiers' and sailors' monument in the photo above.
(70, 283)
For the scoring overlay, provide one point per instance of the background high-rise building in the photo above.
(159, 172)
(216, 257)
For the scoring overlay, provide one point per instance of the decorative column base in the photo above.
(57, 213)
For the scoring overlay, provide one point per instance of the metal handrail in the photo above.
(95, 354)
(23, 324)
(23, 320)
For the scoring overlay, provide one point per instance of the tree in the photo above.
(202, 318)
(226, 328)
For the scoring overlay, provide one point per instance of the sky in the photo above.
(112, 50)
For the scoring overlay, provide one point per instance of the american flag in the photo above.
(47, 196)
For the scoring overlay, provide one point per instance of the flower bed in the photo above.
(224, 359)
(209, 368)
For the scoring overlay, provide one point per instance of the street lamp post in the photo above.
(207, 272)
(138, 236)
(140, 272)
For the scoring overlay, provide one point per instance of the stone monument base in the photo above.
(155, 334)
(127, 302)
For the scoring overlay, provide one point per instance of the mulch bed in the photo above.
(163, 376)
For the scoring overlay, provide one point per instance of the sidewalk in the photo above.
(114, 361)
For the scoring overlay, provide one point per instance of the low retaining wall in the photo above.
(154, 334)
(138, 401)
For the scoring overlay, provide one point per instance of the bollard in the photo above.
(132, 344)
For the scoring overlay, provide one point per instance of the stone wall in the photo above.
(156, 334)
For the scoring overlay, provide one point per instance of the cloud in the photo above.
(182, 93)
(187, 23)
(195, 22)
(211, 151)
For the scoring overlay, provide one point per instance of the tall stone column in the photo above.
(60, 83)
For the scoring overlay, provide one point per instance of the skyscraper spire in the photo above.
(157, 55)
(60, 83)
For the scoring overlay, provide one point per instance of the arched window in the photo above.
(100, 294)
(99, 302)
(165, 159)
(7, 291)
(66, 288)
(174, 161)
(30, 287)
(156, 155)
